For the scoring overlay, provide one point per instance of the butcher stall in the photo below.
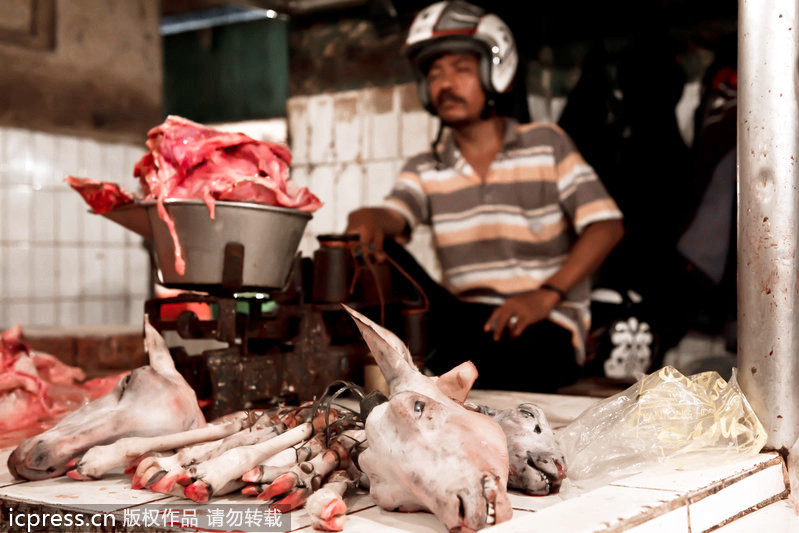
(268, 391)
(243, 412)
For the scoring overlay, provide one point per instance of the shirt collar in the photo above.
(448, 150)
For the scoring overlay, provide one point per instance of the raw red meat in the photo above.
(189, 160)
(36, 389)
(100, 195)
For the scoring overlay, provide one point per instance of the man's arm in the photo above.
(588, 253)
(591, 249)
(375, 224)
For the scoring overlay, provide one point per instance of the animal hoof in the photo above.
(164, 484)
(198, 491)
(252, 476)
(332, 509)
(74, 474)
(283, 484)
(250, 490)
(292, 501)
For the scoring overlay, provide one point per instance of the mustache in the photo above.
(448, 96)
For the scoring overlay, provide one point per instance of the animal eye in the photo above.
(528, 413)
(418, 407)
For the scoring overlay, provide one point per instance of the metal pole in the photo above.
(768, 214)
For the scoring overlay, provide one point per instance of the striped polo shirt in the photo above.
(511, 232)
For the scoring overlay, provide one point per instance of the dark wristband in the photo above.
(548, 287)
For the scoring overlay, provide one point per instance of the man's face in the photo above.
(455, 88)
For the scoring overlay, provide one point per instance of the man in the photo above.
(520, 221)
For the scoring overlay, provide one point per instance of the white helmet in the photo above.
(458, 26)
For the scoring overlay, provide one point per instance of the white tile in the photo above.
(4, 254)
(415, 133)
(113, 159)
(308, 244)
(736, 498)
(135, 310)
(322, 183)
(116, 278)
(92, 312)
(71, 212)
(380, 178)
(299, 175)
(93, 273)
(67, 152)
(18, 271)
(90, 159)
(779, 517)
(69, 313)
(132, 154)
(138, 271)
(297, 110)
(696, 472)
(43, 314)
(19, 159)
(69, 271)
(116, 311)
(95, 228)
(3, 158)
(384, 123)
(18, 313)
(675, 521)
(5, 194)
(43, 204)
(43, 272)
(349, 194)
(320, 124)
(43, 159)
(347, 127)
(607, 508)
(18, 216)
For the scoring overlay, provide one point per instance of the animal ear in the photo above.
(457, 382)
(157, 350)
(391, 354)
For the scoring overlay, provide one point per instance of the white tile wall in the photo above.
(348, 126)
(348, 148)
(59, 264)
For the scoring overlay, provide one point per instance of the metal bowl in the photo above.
(258, 242)
(245, 246)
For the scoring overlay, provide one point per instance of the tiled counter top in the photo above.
(691, 496)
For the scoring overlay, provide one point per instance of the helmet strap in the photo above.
(434, 144)
(489, 108)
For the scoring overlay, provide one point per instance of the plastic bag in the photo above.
(664, 415)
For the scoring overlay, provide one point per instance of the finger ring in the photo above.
(513, 321)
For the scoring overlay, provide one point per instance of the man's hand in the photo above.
(374, 224)
(521, 311)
